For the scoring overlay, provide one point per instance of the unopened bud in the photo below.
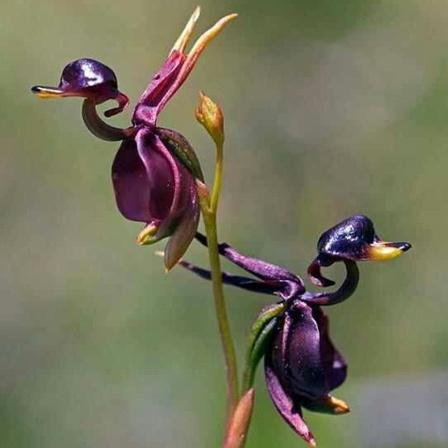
(210, 115)
(240, 421)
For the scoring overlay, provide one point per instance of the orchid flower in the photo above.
(302, 366)
(154, 171)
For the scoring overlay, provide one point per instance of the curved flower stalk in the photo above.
(302, 366)
(154, 171)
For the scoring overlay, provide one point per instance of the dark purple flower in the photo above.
(154, 171)
(302, 366)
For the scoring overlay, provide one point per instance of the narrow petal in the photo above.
(193, 56)
(185, 231)
(185, 36)
(290, 411)
(153, 98)
(334, 363)
(261, 269)
(239, 281)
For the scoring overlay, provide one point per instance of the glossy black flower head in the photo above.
(89, 79)
(154, 171)
(352, 240)
(302, 367)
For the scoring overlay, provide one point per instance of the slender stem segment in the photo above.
(221, 314)
(216, 190)
(209, 207)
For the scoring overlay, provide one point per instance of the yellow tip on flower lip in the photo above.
(383, 251)
(312, 443)
(185, 36)
(47, 92)
(339, 406)
(145, 236)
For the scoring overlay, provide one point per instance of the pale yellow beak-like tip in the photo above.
(382, 251)
(47, 92)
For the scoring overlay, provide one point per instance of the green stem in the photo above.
(209, 212)
(214, 199)
(221, 314)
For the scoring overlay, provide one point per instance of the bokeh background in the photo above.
(332, 108)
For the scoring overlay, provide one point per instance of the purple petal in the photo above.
(289, 410)
(185, 230)
(163, 174)
(131, 185)
(144, 179)
(303, 355)
(231, 279)
(262, 269)
(296, 353)
(154, 97)
(334, 363)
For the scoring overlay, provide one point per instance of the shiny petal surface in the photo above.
(284, 404)
(185, 231)
(131, 184)
(303, 355)
(163, 174)
(144, 180)
(153, 97)
(334, 363)
(300, 353)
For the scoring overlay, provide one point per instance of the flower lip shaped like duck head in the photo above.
(154, 171)
(355, 239)
(350, 241)
(89, 79)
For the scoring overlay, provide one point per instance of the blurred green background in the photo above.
(332, 108)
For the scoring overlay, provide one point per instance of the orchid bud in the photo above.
(210, 115)
(238, 427)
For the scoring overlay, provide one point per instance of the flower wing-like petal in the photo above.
(144, 179)
(153, 98)
(130, 181)
(334, 363)
(296, 353)
(284, 404)
(185, 231)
